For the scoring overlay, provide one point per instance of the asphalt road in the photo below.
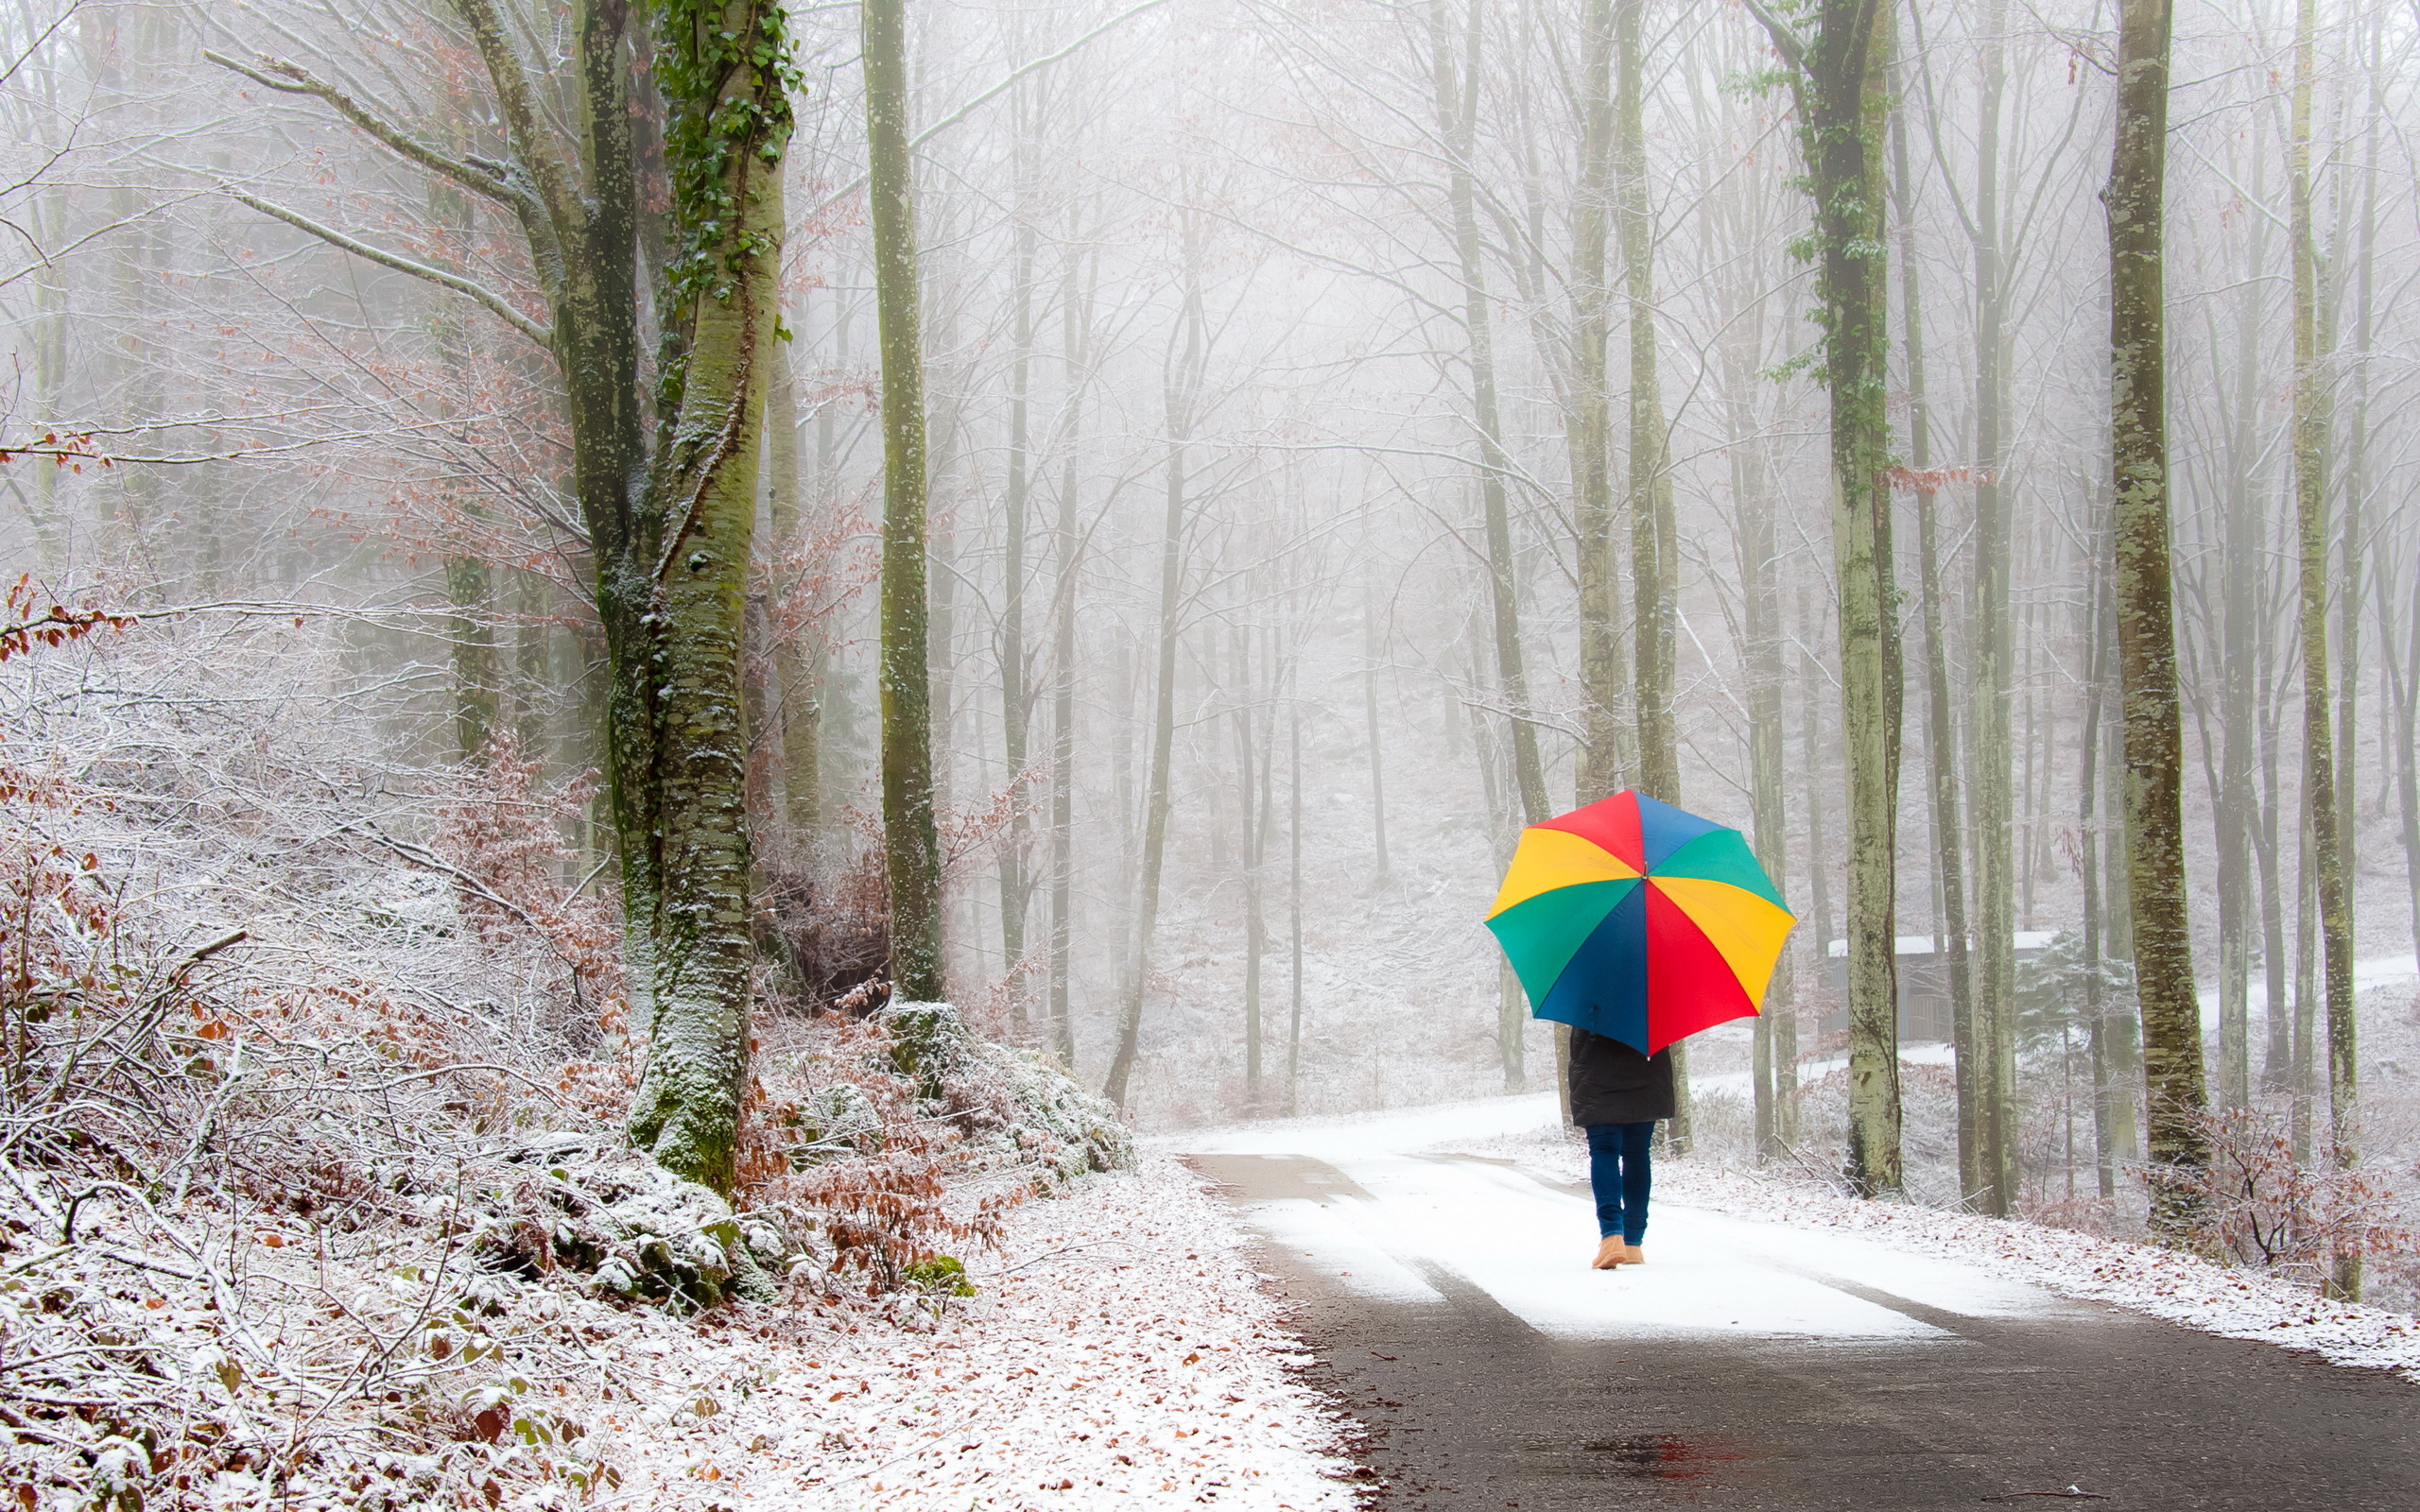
(1748, 1365)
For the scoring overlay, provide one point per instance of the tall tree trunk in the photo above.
(911, 848)
(2105, 1085)
(1370, 712)
(2241, 569)
(1821, 796)
(1654, 552)
(1592, 480)
(1184, 385)
(724, 69)
(1841, 82)
(1654, 544)
(2312, 414)
(469, 587)
(2269, 855)
(1995, 860)
(1294, 901)
(2146, 617)
(2406, 765)
(1942, 741)
(1768, 764)
(1458, 91)
(1075, 322)
(2306, 978)
(798, 659)
(1252, 782)
(1015, 718)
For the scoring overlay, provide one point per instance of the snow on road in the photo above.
(1412, 1216)
(1485, 1192)
(1121, 1353)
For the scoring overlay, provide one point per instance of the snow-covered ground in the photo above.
(1120, 1350)
(1485, 1191)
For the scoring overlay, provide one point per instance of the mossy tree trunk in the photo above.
(798, 648)
(912, 846)
(670, 543)
(1839, 77)
(1592, 481)
(1654, 541)
(2313, 414)
(1994, 655)
(724, 69)
(2143, 591)
(1941, 733)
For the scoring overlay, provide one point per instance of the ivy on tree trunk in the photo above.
(725, 73)
(1839, 77)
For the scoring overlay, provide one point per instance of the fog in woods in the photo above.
(1115, 516)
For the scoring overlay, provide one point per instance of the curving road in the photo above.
(1753, 1365)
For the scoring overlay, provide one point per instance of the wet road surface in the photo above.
(1750, 1366)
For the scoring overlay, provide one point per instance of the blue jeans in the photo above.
(1619, 1175)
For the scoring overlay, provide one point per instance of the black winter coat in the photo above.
(1612, 1083)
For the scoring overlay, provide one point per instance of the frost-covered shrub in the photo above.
(897, 1135)
(600, 1210)
(1012, 1102)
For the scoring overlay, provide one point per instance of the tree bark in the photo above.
(911, 849)
(1654, 543)
(1592, 418)
(2313, 409)
(1995, 861)
(1841, 78)
(1075, 335)
(724, 69)
(1942, 741)
(1370, 714)
(1767, 764)
(1183, 385)
(2241, 570)
(2146, 617)
(2104, 1086)
(1014, 716)
(798, 660)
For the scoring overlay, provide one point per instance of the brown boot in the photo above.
(1632, 1255)
(1610, 1253)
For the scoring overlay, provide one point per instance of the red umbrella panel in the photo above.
(1636, 921)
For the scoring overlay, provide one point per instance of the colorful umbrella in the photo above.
(1632, 919)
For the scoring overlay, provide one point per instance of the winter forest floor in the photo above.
(1787, 1348)
(1120, 1350)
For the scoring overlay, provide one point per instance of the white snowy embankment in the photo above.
(1120, 1350)
(2163, 1284)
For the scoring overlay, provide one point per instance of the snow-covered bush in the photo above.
(897, 1136)
(1021, 1107)
(593, 1208)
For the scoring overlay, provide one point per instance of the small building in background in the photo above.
(1924, 984)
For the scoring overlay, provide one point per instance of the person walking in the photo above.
(1617, 1096)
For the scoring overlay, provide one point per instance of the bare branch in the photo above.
(292, 78)
(495, 302)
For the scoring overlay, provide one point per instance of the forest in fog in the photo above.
(566, 542)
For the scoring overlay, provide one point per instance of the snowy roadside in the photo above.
(2162, 1283)
(1119, 1349)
